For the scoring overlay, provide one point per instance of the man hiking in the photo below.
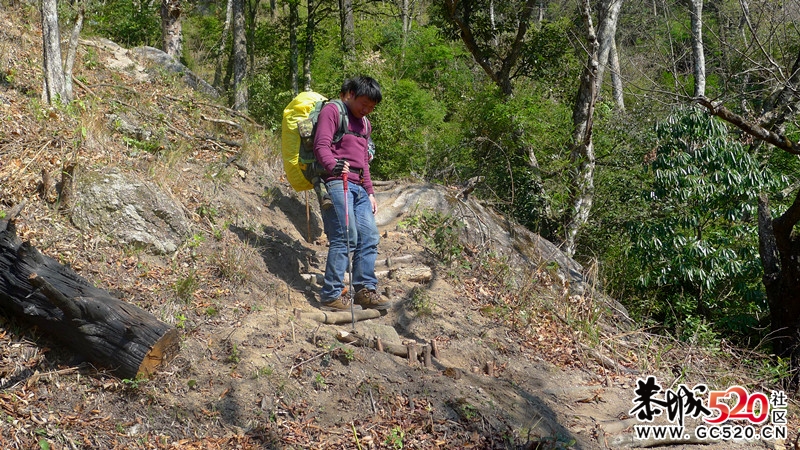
(350, 224)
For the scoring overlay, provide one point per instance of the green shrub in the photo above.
(128, 23)
(409, 124)
(502, 136)
(698, 248)
(438, 232)
(186, 286)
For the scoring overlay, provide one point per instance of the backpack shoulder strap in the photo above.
(344, 123)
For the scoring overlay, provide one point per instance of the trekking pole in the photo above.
(347, 237)
(308, 220)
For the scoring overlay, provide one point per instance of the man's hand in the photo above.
(342, 166)
(374, 204)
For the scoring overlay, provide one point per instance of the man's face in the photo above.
(360, 106)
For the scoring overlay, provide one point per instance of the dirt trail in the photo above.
(250, 373)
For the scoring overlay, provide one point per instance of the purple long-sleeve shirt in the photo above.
(351, 147)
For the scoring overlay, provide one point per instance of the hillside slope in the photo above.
(530, 355)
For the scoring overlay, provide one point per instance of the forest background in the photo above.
(646, 138)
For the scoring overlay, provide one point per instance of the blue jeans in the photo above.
(364, 238)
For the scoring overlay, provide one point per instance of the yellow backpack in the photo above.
(297, 137)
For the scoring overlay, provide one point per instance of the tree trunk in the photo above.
(171, 34)
(250, 23)
(223, 42)
(582, 154)
(779, 249)
(294, 23)
(110, 333)
(540, 15)
(405, 20)
(495, 38)
(347, 30)
(605, 35)
(535, 169)
(54, 86)
(697, 48)
(310, 31)
(616, 77)
(745, 20)
(72, 51)
(239, 57)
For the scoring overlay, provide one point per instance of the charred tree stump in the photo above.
(435, 349)
(412, 352)
(426, 355)
(107, 331)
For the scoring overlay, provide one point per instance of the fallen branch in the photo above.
(307, 361)
(223, 108)
(115, 86)
(361, 341)
(208, 137)
(86, 89)
(422, 274)
(177, 131)
(222, 121)
(389, 262)
(336, 317)
(607, 362)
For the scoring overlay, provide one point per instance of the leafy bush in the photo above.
(698, 249)
(201, 37)
(266, 101)
(128, 23)
(409, 128)
(438, 232)
(503, 135)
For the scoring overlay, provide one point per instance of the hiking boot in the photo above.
(340, 304)
(371, 299)
(326, 202)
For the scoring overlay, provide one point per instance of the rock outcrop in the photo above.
(131, 210)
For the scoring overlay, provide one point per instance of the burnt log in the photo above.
(110, 333)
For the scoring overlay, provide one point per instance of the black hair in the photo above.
(363, 85)
(347, 87)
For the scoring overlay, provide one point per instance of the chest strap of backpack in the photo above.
(344, 123)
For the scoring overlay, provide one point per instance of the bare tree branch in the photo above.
(755, 130)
